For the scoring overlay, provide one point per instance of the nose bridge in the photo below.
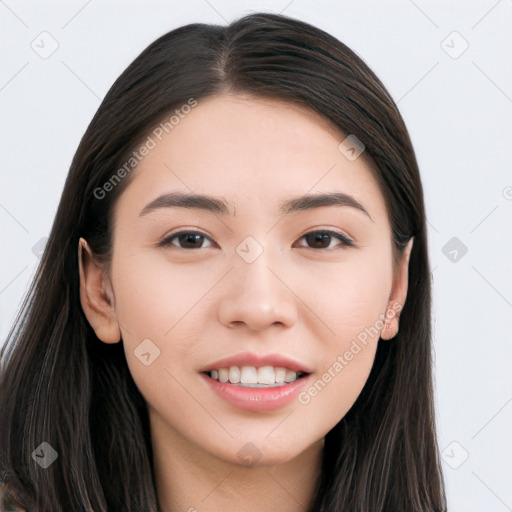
(254, 295)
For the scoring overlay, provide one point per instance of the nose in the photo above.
(257, 296)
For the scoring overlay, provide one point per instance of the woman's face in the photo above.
(256, 273)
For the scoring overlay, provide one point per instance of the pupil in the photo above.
(192, 239)
(319, 240)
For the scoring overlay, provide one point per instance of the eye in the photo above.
(325, 239)
(187, 240)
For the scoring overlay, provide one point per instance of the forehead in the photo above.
(252, 151)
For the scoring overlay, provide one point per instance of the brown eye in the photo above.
(325, 239)
(187, 240)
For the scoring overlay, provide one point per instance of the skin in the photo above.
(200, 305)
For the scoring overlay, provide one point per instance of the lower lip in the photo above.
(257, 399)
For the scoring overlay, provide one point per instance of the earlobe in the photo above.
(96, 296)
(398, 294)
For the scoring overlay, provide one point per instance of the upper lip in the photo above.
(257, 360)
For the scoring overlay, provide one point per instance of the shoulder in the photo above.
(6, 500)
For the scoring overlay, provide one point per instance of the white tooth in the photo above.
(215, 374)
(290, 376)
(234, 375)
(266, 375)
(223, 374)
(249, 375)
(280, 374)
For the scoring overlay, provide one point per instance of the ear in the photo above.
(398, 294)
(96, 296)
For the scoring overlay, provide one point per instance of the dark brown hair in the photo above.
(63, 386)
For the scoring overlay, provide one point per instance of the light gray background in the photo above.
(458, 109)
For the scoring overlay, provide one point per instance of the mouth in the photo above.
(257, 382)
(256, 388)
(261, 377)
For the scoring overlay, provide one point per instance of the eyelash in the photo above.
(345, 241)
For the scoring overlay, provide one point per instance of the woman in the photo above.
(233, 308)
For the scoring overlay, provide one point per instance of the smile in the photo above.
(255, 377)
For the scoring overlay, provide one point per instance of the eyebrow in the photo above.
(307, 202)
(220, 206)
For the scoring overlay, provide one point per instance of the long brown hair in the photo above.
(61, 385)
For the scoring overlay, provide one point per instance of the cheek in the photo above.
(165, 302)
(351, 307)
(154, 297)
(347, 296)
(161, 310)
(331, 393)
